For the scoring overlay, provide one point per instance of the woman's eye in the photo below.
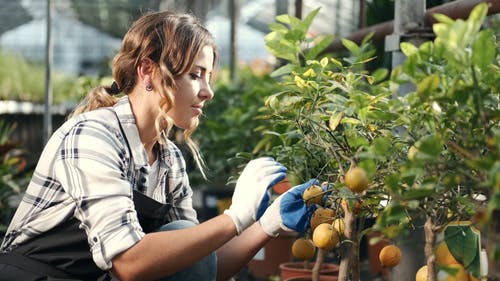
(195, 76)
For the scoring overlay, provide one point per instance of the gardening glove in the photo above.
(252, 191)
(289, 211)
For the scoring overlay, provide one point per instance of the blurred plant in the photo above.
(13, 174)
(25, 81)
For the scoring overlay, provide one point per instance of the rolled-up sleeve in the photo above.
(92, 170)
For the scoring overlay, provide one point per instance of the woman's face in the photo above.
(192, 91)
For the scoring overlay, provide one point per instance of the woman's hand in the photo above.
(289, 211)
(251, 195)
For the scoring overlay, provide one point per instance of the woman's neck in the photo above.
(144, 114)
(151, 151)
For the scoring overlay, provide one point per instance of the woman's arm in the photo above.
(235, 254)
(160, 254)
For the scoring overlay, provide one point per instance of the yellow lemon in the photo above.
(421, 274)
(322, 215)
(313, 195)
(390, 256)
(356, 180)
(303, 249)
(443, 255)
(325, 237)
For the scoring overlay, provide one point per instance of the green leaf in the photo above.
(274, 26)
(335, 120)
(418, 193)
(426, 50)
(285, 18)
(349, 120)
(273, 102)
(380, 146)
(483, 49)
(392, 182)
(380, 74)
(410, 65)
(463, 243)
(262, 143)
(430, 145)
(306, 23)
(284, 70)
(351, 46)
(443, 18)
(478, 13)
(495, 255)
(393, 213)
(408, 49)
(381, 115)
(428, 85)
(319, 47)
(294, 35)
(494, 203)
(282, 49)
(336, 62)
(324, 62)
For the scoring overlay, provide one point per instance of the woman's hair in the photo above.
(173, 41)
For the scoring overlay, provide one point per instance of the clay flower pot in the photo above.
(277, 251)
(296, 269)
(309, 278)
(282, 186)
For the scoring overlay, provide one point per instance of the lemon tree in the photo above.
(450, 123)
(331, 120)
(431, 153)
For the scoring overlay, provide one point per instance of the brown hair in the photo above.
(173, 41)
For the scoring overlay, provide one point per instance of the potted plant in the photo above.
(331, 120)
(451, 171)
(427, 154)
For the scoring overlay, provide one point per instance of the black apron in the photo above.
(63, 252)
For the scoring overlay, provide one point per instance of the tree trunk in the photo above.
(347, 250)
(355, 272)
(317, 266)
(430, 241)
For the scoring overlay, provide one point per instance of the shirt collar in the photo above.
(127, 121)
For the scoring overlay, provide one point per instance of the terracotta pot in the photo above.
(275, 252)
(309, 278)
(296, 269)
(376, 269)
(282, 186)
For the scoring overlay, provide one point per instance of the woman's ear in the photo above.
(145, 71)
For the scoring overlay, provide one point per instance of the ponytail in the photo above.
(100, 96)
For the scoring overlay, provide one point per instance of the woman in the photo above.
(110, 198)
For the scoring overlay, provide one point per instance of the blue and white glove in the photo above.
(288, 212)
(252, 191)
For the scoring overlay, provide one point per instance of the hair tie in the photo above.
(114, 89)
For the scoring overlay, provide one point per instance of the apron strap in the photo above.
(32, 265)
(151, 213)
(63, 252)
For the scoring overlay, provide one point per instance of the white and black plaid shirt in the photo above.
(88, 170)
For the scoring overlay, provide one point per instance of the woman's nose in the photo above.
(206, 92)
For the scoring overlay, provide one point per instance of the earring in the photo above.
(149, 87)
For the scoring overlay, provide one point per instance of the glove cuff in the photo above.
(270, 222)
(240, 223)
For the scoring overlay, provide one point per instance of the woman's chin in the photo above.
(190, 125)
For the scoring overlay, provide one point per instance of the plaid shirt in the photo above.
(88, 170)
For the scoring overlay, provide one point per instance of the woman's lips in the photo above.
(198, 109)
